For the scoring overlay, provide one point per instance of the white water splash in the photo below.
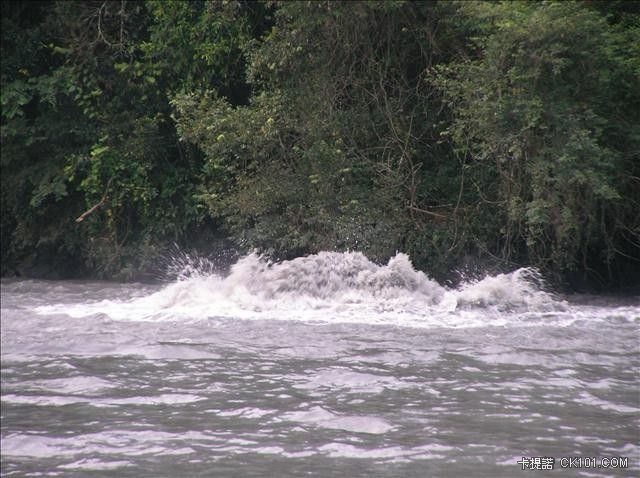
(332, 287)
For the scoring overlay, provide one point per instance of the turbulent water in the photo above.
(324, 366)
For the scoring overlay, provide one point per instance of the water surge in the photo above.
(339, 288)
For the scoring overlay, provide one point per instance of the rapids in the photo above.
(326, 365)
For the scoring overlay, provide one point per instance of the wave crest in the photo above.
(333, 287)
(329, 275)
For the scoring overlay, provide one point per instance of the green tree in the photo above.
(335, 147)
(496, 133)
(87, 125)
(547, 111)
(40, 125)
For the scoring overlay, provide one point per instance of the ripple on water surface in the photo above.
(382, 373)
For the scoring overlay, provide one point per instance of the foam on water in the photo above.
(332, 287)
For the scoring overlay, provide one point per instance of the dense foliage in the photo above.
(467, 134)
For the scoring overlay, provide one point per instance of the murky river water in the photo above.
(330, 366)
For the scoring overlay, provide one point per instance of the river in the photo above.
(325, 366)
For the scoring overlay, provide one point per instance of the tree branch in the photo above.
(95, 206)
(424, 211)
